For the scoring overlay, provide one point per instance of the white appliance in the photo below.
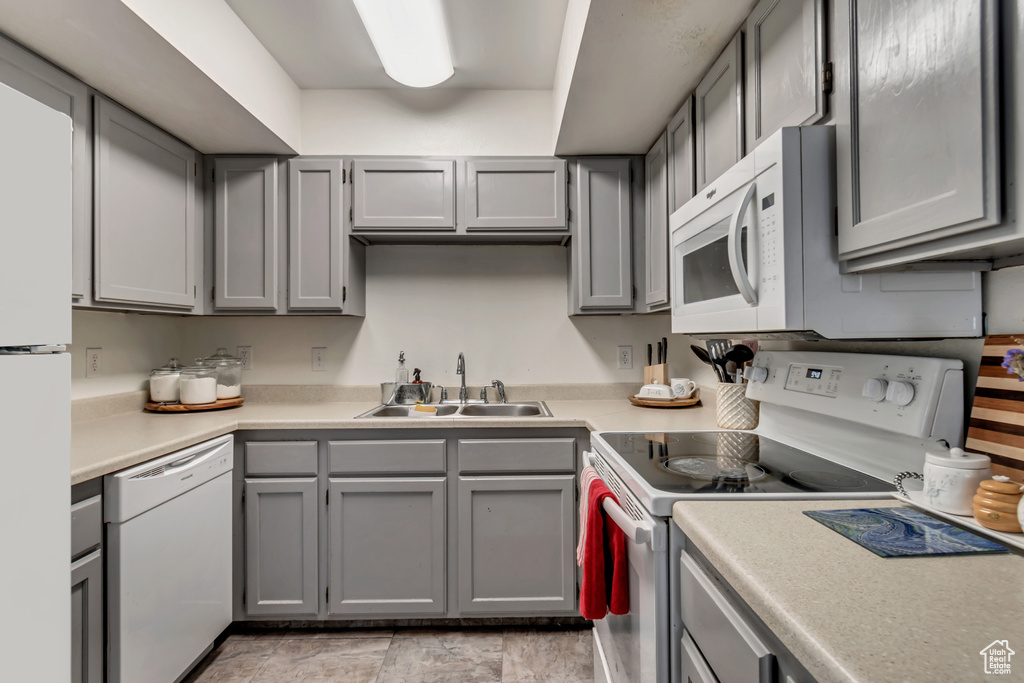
(832, 426)
(755, 253)
(35, 386)
(169, 561)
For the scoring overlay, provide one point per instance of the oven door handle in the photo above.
(739, 273)
(636, 532)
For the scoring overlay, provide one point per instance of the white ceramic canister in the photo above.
(951, 478)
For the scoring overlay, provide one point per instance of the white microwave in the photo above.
(755, 254)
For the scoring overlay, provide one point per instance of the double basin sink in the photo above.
(527, 409)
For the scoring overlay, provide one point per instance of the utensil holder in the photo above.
(733, 409)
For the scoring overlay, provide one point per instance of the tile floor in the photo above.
(498, 655)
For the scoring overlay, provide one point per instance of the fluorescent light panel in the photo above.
(410, 39)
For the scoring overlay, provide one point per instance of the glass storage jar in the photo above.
(198, 384)
(229, 373)
(164, 383)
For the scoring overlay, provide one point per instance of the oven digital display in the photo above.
(813, 373)
(820, 381)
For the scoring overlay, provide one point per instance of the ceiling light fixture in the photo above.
(410, 39)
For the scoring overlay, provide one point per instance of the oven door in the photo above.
(634, 647)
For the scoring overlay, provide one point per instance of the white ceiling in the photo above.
(496, 44)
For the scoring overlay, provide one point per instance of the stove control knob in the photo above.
(874, 389)
(900, 393)
(754, 373)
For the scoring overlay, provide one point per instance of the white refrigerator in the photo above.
(35, 389)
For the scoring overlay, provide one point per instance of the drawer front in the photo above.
(280, 459)
(729, 645)
(86, 525)
(426, 456)
(517, 455)
(693, 667)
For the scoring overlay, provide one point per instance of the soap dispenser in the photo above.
(402, 373)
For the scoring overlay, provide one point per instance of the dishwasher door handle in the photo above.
(183, 461)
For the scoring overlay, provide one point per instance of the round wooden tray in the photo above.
(674, 403)
(181, 408)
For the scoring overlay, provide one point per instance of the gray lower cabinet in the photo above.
(515, 195)
(386, 546)
(144, 212)
(656, 296)
(281, 551)
(87, 632)
(680, 157)
(405, 195)
(517, 544)
(718, 115)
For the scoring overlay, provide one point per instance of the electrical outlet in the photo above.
(245, 354)
(319, 358)
(625, 358)
(93, 362)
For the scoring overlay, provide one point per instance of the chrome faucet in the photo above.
(460, 369)
(500, 386)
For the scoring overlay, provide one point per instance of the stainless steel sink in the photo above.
(468, 410)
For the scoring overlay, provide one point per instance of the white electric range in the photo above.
(832, 426)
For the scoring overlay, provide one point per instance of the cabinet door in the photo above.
(34, 77)
(514, 194)
(245, 225)
(87, 619)
(680, 157)
(281, 550)
(785, 53)
(656, 224)
(317, 241)
(144, 207)
(602, 231)
(403, 195)
(386, 546)
(517, 544)
(917, 144)
(718, 114)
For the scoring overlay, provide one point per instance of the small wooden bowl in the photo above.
(995, 505)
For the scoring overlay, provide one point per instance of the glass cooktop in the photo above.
(734, 463)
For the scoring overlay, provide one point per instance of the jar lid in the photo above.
(222, 357)
(165, 371)
(199, 365)
(172, 364)
(957, 458)
(1001, 484)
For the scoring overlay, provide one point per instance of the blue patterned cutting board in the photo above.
(903, 532)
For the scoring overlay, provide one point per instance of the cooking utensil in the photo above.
(717, 348)
(740, 354)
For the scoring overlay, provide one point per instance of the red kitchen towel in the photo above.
(605, 576)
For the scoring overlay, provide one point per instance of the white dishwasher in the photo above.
(169, 566)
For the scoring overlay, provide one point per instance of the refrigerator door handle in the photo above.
(24, 350)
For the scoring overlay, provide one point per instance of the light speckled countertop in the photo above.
(109, 444)
(849, 615)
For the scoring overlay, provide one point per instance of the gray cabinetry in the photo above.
(680, 157)
(601, 264)
(144, 212)
(917, 141)
(245, 229)
(718, 115)
(656, 225)
(514, 195)
(785, 55)
(386, 546)
(87, 591)
(406, 195)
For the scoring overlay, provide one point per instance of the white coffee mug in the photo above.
(682, 387)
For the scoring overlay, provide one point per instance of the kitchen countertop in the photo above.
(849, 615)
(105, 445)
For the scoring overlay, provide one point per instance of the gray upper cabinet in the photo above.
(144, 207)
(917, 141)
(514, 195)
(785, 56)
(386, 546)
(601, 270)
(317, 240)
(41, 81)
(245, 233)
(406, 195)
(718, 115)
(656, 225)
(680, 157)
(281, 551)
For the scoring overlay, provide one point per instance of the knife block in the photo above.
(656, 373)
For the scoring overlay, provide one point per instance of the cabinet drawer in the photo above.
(517, 455)
(729, 645)
(86, 525)
(694, 668)
(384, 457)
(280, 458)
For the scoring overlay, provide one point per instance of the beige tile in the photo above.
(531, 656)
(443, 656)
(315, 660)
(237, 660)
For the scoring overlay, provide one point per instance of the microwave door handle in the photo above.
(739, 273)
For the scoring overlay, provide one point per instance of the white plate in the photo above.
(916, 498)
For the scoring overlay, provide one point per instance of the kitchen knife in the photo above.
(664, 349)
(648, 354)
(659, 353)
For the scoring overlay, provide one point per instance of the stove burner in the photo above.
(828, 481)
(710, 437)
(709, 468)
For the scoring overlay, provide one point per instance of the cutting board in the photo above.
(996, 427)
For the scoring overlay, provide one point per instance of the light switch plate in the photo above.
(319, 358)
